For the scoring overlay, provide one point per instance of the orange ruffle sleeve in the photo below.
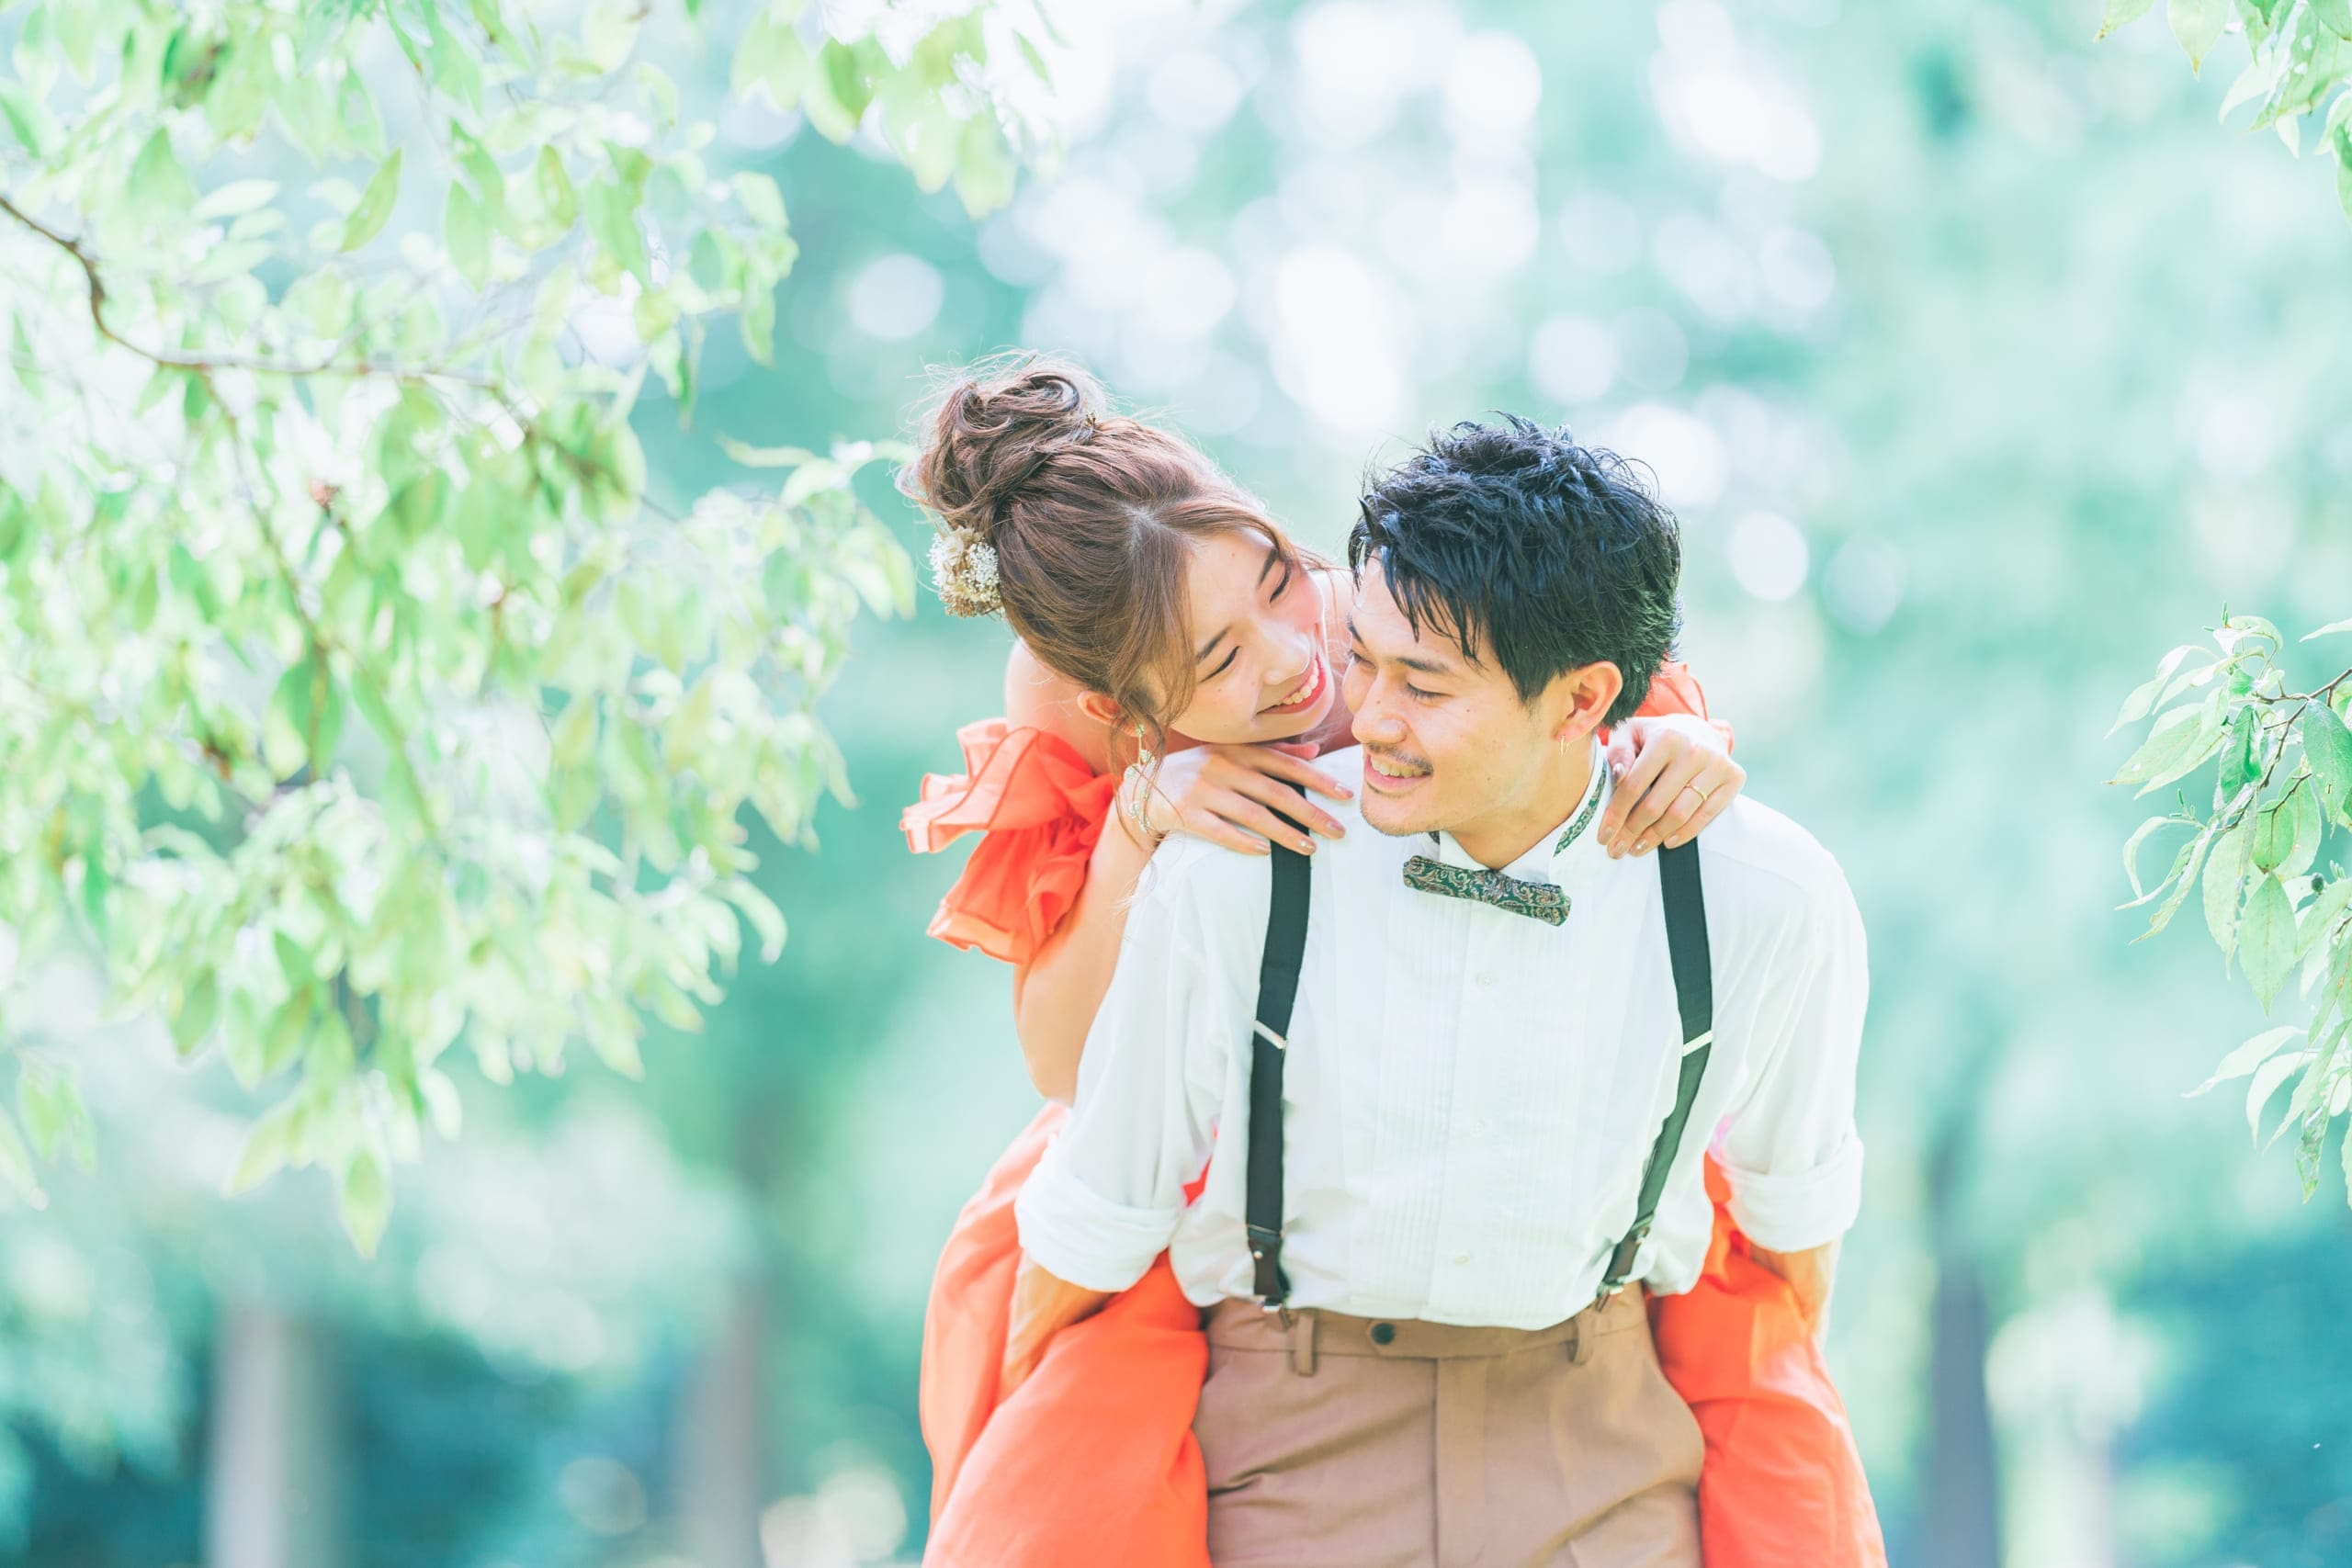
(1038, 809)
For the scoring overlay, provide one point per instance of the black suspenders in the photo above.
(1694, 994)
(1277, 989)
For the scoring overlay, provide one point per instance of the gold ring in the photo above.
(1694, 789)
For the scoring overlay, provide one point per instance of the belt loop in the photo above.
(1580, 1342)
(1302, 1344)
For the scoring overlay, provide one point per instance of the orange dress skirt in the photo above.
(1092, 1460)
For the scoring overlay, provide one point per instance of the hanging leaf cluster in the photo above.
(2255, 853)
(358, 701)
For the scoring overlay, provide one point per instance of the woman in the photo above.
(1178, 668)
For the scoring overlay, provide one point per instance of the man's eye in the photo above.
(1417, 695)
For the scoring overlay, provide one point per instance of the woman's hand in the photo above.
(1674, 777)
(1043, 1306)
(1228, 795)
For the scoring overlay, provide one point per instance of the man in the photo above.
(1422, 1350)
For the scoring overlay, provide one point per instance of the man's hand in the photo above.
(1042, 1306)
(1809, 1273)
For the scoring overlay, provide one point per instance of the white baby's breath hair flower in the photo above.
(963, 569)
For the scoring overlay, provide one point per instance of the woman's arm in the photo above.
(1225, 793)
(1056, 994)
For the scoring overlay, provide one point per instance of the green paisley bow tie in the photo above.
(1536, 900)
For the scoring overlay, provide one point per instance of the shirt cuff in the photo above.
(1078, 1235)
(1791, 1211)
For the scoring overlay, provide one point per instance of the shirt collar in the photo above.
(1568, 856)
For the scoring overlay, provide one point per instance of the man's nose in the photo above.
(1378, 722)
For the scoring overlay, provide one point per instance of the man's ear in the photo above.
(1103, 710)
(1585, 696)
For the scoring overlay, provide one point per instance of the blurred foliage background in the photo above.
(1980, 366)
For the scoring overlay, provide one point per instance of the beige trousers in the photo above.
(1352, 1443)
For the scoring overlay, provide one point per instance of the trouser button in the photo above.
(1383, 1334)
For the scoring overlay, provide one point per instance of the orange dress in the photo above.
(1092, 1460)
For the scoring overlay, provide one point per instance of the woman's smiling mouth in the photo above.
(1310, 687)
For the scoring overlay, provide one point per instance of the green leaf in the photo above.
(612, 221)
(2248, 1057)
(268, 1147)
(2266, 939)
(2319, 1078)
(2329, 630)
(766, 919)
(305, 719)
(1038, 62)
(2183, 879)
(17, 1164)
(235, 199)
(2239, 766)
(573, 739)
(556, 195)
(986, 170)
(837, 89)
(609, 31)
(767, 457)
(2182, 739)
(761, 198)
(2305, 826)
(2328, 745)
(2267, 1079)
(158, 184)
(2120, 13)
(758, 321)
(2274, 833)
(2346, 1155)
(2323, 913)
(366, 1201)
(193, 1019)
(466, 231)
(27, 117)
(846, 77)
(367, 219)
(2335, 14)
(50, 1100)
(770, 60)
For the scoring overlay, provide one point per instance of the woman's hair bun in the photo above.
(988, 436)
(995, 426)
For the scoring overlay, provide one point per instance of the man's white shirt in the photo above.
(1469, 1093)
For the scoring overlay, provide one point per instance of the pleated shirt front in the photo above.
(1469, 1093)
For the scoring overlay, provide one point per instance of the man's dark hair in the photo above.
(1553, 556)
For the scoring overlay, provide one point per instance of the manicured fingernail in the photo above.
(1643, 847)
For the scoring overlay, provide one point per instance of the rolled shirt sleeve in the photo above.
(1790, 1153)
(1106, 1198)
